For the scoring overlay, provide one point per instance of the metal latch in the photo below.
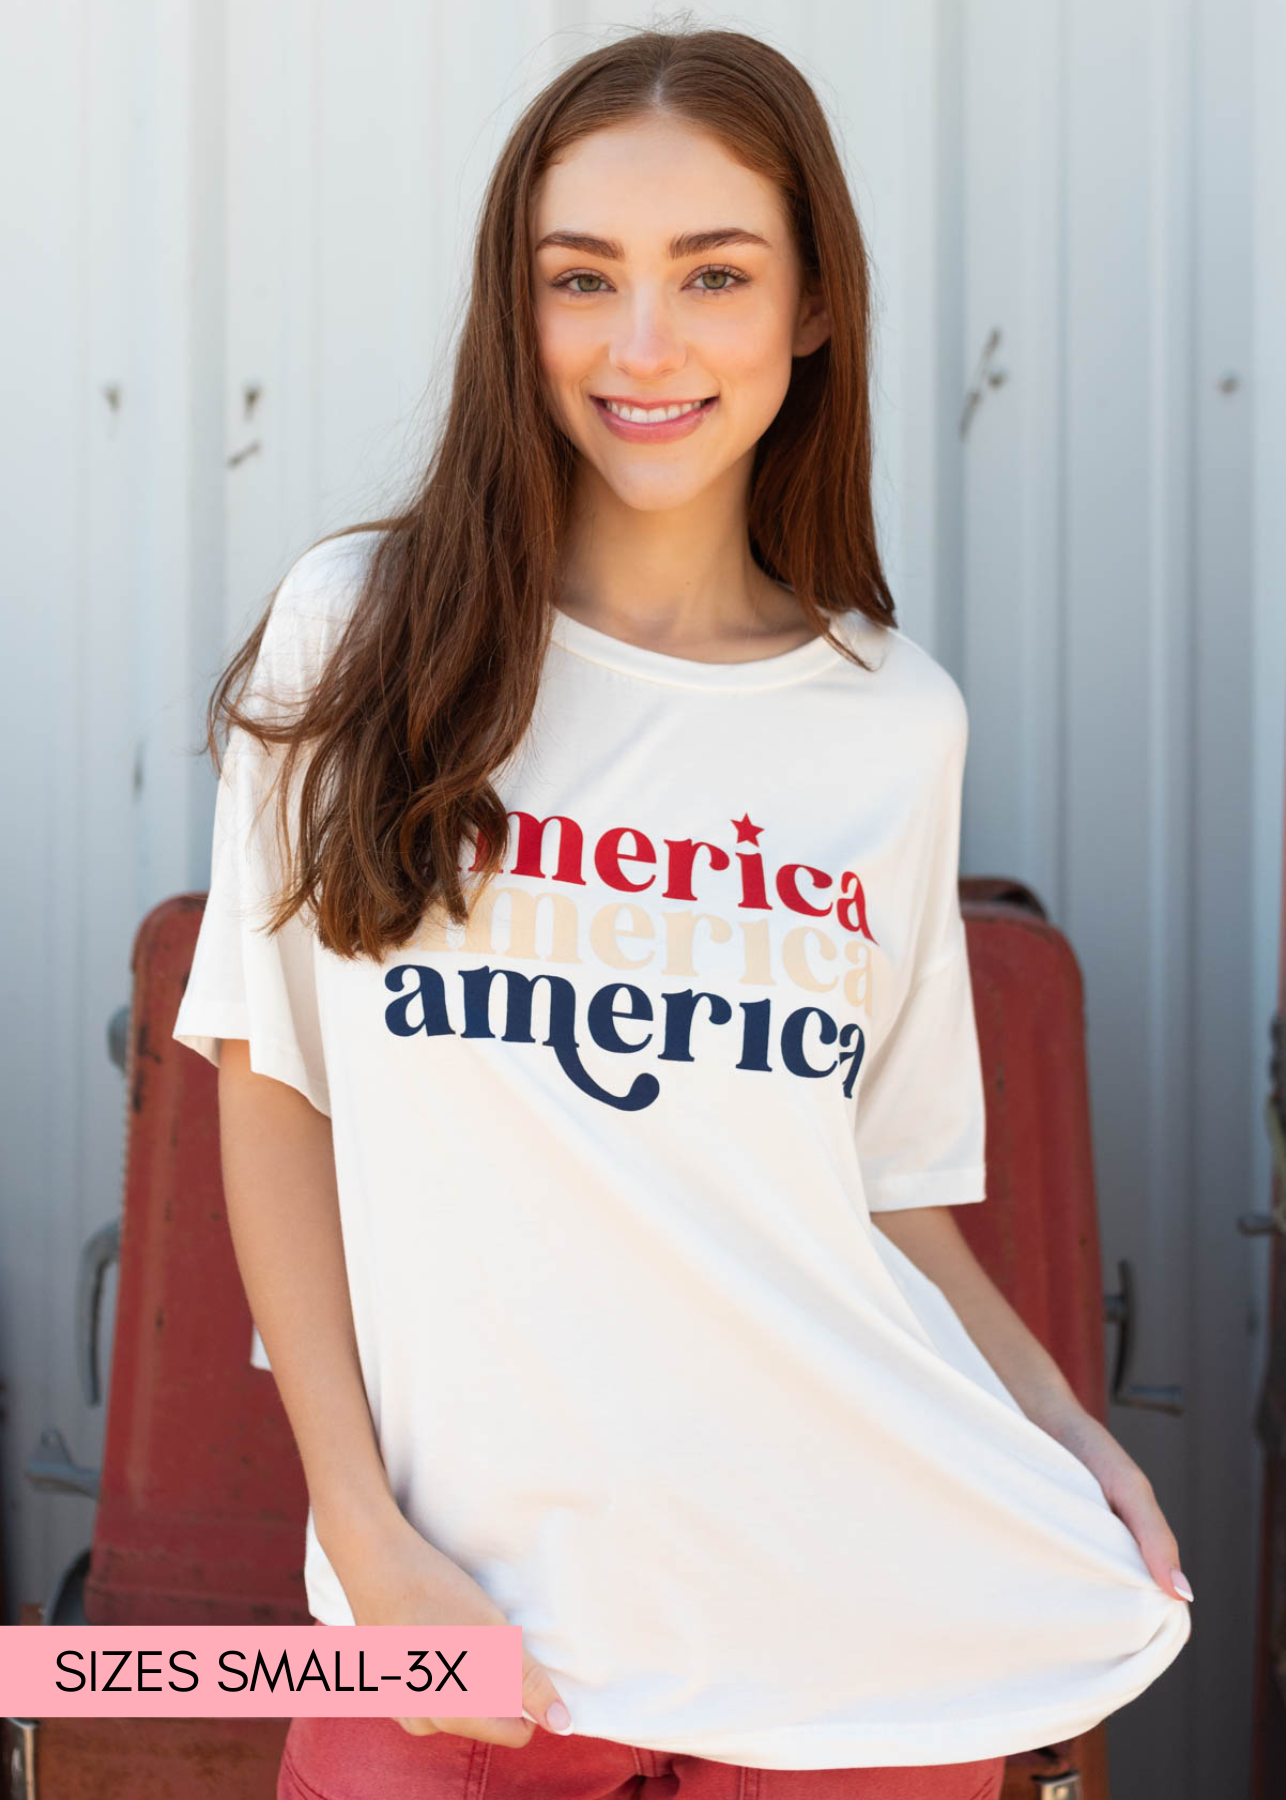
(51, 1468)
(985, 376)
(1258, 1224)
(1057, 1781)
(20, 1755)
(1058, 1787)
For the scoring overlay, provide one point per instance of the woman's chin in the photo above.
(655, 491)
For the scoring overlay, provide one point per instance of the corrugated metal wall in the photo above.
(238, 235)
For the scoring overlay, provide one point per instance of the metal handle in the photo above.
(1258, 1224)
(1119, 1310)
(20, 1758)
(97, 1256)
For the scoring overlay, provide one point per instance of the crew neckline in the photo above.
(597, 646)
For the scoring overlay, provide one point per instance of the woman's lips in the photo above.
(663, 432)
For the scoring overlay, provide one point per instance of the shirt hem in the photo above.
(268, 1056)
(942, 1187)
(910, 1745)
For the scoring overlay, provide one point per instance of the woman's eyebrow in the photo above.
(688, 243)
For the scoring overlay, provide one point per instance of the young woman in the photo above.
(597, 1061)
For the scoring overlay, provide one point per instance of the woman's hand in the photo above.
(391, 1575)
(1129, 1494)
(933, 1240)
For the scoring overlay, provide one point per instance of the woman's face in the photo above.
(628, 312)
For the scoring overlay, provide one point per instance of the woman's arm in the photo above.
(283, 1213)
(930, 1236)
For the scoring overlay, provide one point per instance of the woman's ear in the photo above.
(812, 324)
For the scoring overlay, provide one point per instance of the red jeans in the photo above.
(375, 1759)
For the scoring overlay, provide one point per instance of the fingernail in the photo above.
(1181, 1583)
(558, 1718)
(531, 1716)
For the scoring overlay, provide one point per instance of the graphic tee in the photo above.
(608, 1161)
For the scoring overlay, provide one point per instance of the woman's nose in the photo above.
(648, 342)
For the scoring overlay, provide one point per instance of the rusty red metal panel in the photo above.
(1037, 1232)
(202, 1501)
(150, 1759)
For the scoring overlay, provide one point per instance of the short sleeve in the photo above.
(246, 982)
(921, 1105)
(921, 1118)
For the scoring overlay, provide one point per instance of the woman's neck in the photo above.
(681, 581)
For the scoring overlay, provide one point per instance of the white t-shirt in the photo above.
(637, 1357)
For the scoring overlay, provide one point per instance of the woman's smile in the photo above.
(659, 424)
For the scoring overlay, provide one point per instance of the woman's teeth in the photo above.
(651, 415)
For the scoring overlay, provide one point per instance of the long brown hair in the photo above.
(433, 685)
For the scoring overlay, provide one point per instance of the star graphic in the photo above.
(746, 832)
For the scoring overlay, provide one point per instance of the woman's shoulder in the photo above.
(313, 602)
(905, 672)
(324, 582)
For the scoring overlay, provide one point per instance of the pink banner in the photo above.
(254, 1671)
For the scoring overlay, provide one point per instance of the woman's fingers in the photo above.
(542, 1705)
(1134, 1501)
(541, 1701)
(511, 1733)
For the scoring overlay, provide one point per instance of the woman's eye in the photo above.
(565, 281)
(734, 279)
